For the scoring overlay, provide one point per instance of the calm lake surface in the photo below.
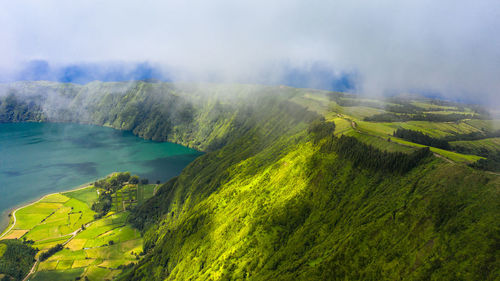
(42, 158)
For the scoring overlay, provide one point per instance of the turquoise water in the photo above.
(41, 158)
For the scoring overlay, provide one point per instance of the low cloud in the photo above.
(377, 47)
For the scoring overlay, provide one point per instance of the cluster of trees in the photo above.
(108, 187)
(480, 151)
(406, 108)
(51, 252)
(473, 136)
(491, 163)
(320, 129)
(116, 181)
(16, 259)
(367, 156)
(392, 117)
(102, 205)
(421, 138)
(388, 117)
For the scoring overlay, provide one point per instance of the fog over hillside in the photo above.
(445, 48)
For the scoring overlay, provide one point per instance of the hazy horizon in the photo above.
(444, 49)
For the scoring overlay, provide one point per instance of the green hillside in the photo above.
(309, 214)
(298, 183)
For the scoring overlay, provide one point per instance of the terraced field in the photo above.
(97, 252)
(53, 218)
(349, 120)
(94, 248)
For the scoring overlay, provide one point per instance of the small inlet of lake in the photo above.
(41, 158)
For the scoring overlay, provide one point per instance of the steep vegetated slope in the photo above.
(305, 214)
(281, 195)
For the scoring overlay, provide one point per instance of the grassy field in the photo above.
(489, 144)
(95, 252)
(381, 143)
(52, 219)
(93, 248)
(377, 134)
(349, 121)
(435, 129)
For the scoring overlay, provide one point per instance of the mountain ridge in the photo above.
(272, 200)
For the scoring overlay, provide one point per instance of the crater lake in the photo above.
(41, 158)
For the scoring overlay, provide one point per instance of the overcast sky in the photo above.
(450, 47)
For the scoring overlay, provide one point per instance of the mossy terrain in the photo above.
(297, 183)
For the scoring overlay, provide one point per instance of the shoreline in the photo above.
(13, 210)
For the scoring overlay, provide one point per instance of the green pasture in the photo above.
(381, 143)
(87, 195)
(377, 134)
(358, 112)
(54, 198)
(59, 275)
(313, 102)
(48, 243)
(97, 251)
(99, 273)
(427, 106)
(485, 125)
(375, 128)
(341, 125)
(53, 220)
(489, 144)
(453, 156)
(433, 129)
(361, 112)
